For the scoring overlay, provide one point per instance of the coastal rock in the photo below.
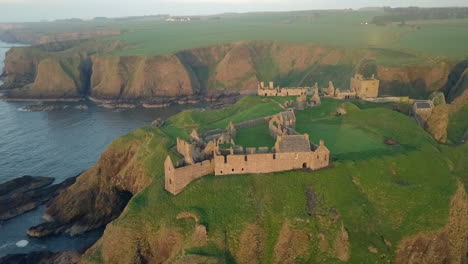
(24, 194)
(82, 107)
(99, 195)
(24, 184)
(37, 72)
(51, 81)
(42, 257)
(43, 108)
(158, 122)
(130, 78)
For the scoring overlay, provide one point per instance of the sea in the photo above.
(58, 144)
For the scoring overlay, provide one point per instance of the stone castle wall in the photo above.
(285, 91)
(176, 179)
(271, 90)
(269, 162)
(190, 152)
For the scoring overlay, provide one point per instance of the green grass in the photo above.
(342, 139)
(445, 40)
(396, 194)
(336, 28)
(358, 134)
(248, 108)
(458, 125)
(254, 137)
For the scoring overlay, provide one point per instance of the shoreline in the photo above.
(5, 99)
(166, 102)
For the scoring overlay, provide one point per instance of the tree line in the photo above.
(402, 14)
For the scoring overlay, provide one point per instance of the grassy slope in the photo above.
(395, 194)
(246, 109)
(458, 125)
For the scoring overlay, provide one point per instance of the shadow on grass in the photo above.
(212, 250)
(375, 153)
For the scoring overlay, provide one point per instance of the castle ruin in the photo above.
(271, 90)
(365, 87)
(291, 151)
(422, 111)
(360, 87)
(282, 124)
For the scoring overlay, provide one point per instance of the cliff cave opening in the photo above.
(86, 70)
(124, 197)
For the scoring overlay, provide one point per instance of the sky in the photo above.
(37, 10)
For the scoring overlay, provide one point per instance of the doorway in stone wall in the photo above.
(304, 166)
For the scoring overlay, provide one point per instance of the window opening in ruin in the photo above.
(304, 166)
(318, 157)
(225, 159)
(220, 172)
(245, 158)
(170, 181)
(274, 156)
(232, 170)
(265, 94)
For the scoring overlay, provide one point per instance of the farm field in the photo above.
(335, 28)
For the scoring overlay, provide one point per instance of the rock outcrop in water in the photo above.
(24, 194)
(42, 257)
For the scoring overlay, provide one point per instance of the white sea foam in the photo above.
(22, 243)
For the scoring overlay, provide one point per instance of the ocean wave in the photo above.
(7, 245)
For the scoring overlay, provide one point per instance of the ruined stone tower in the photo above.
(365, 88)
(331, 89)
(316, 98)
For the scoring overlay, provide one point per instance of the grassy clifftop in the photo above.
(357, 211)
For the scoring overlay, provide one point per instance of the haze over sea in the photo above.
(57, 144)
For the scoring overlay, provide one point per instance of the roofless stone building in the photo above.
(291, 151)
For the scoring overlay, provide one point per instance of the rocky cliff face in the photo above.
(410, 80)
(99, 194)
(81, 70)
(438, 123)
(140, 77)
(51, 82)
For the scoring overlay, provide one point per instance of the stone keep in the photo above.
(365, 88)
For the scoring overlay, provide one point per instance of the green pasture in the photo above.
(435, 40)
